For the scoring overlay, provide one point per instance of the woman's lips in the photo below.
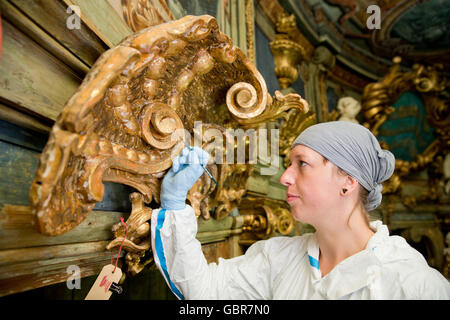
(291, 197)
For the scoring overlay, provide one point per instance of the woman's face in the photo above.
(312, 186)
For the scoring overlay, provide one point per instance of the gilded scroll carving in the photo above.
(231, 176)
(263, 218)
(119, 126)
(279, 104)
(138, 239)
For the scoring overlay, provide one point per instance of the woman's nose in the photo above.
(287, 177)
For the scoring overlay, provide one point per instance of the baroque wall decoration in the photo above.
(118, 127)
(408, 112)
(273, 10)
(418, 97)
(287, 53)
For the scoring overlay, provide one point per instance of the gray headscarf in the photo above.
(354, 149)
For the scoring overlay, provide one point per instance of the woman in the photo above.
(333, 180)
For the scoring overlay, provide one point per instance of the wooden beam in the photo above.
(35, 260)
(17, 168)
(13, 256)
(46, 265)
(22, 277)
(31, 78)
(17, 228)
(103, 20)
(52, 16)
(19, 20)
(22, 119)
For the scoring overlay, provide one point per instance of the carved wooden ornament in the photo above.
(118, 125)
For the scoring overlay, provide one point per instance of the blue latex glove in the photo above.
(185, 171)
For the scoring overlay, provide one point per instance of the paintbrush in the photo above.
(206, 170)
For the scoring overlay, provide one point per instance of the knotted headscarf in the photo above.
(354, 149)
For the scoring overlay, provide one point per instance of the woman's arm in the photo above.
(178, 253)
(179, 256)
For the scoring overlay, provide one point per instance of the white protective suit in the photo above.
(288, 267)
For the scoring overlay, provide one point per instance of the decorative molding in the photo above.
(250, 24)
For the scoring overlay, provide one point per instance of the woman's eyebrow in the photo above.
(300, 156)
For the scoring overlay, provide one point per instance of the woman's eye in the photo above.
(302, 163)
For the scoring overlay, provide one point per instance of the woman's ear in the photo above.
(350, 185)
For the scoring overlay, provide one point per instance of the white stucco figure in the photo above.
(348, 107)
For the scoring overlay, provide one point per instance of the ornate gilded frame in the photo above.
(430, 85)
